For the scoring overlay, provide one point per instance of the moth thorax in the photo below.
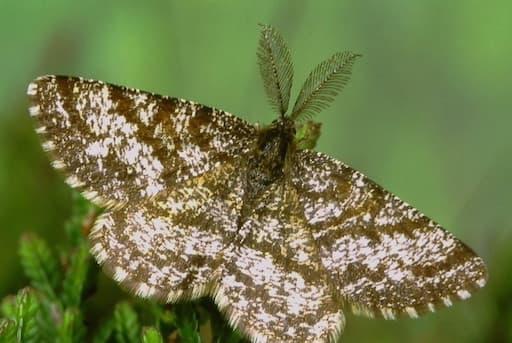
(274, 141)
(266, 166)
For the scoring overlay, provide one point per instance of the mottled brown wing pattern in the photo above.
(273, 286)
(384, 257)
(120, 145)
(280, 262)
(169, 247)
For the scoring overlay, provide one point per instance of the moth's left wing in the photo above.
(384, 256)
(120, 145)
(170, 247)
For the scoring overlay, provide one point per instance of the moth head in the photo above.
(284, 126)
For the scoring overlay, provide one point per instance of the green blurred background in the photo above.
(427, 113)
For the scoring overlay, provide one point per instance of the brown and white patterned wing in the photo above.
(273, 286)
(384, 256)
(120, 145)
(169, 247)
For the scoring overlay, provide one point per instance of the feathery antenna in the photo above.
(323, 84)
(275, 67)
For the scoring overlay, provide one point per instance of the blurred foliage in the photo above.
(426, 114)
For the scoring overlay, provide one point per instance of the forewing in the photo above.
(384, 256)
(169, 247)
(273, 286)
(120, 145)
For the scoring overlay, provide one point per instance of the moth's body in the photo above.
(201, 203)
(266, 163)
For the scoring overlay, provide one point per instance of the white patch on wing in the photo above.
(41, 129)
(48, 146)
(99, 148)
(32, 89)
(58, 164)
(447, 301)
(464, 294)
(146, 114)
(195, 158)
(411, 312)
(34, 110)
(120, 274)
(481, 282)
(323, 210)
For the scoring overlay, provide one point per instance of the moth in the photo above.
(199, 202)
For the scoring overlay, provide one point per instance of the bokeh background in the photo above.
(427, 113)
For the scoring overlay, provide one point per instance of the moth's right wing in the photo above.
(121, 145)
(383, 256)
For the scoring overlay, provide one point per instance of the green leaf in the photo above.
(151, 335)
(40, 265)
(71, 328)
(155, 314)
(276, 68)
(104, 332)
(225, 334)
(323, 84)
(27, 309)
(7, 331)
(230, 336)
(167, 317)
(222, 332)
(75, 277)
(50, 312)
(8, 306)
(81, 211)
(187, 323)
(126, 323)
